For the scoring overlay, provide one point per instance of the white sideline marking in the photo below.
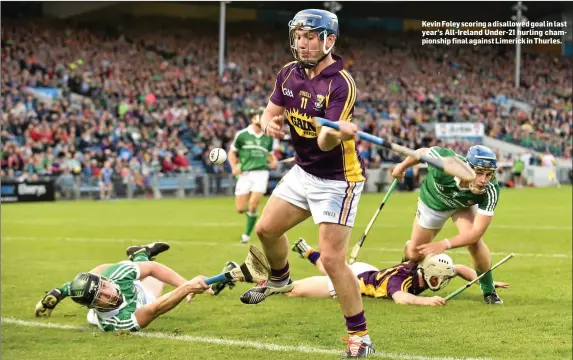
(211, 243)
(234, 224)
(241, 343)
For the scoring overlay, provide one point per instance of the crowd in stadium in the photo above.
(151, 99)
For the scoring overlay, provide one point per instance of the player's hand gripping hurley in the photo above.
(255, 268)
(358, 246)
(451, 165)
(287, 160)
(458, 291)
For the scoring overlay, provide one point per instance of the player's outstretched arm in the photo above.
(469, 274)
(404, 298)
(400, 169)
(98, 269)
(48, 303)
(465, 238)
(146, 314)
(160, 272)
(465, 272)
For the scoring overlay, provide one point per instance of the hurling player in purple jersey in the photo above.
(328, 177)
(401, 283)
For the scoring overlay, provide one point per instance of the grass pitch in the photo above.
(45, 245)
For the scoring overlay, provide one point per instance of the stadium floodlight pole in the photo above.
(222, 19)
(519, 19)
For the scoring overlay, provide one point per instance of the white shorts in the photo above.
(252, 181)
(430, 218)
(144, 297)
(357, 269)
(329, 201)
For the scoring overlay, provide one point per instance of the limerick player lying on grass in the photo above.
(126, 295)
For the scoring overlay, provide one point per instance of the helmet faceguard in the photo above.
(437, 270)
(95, 292)
(321, 22)
(484, 162)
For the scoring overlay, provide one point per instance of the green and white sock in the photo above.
(486, 283)
(251, 220)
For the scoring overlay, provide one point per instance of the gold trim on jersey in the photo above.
(328, 95)
(275, 87)
(350, 162)
(286, 78)
(346, 204)
(381, 290)
(407, 284)
(351, 97)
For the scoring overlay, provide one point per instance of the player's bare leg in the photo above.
(154, 286)
(312, 287)
(480, 253)
(109, 190)
(277, 218)
(420, 235)
(333, 241)
(241, 205)
(306, 251)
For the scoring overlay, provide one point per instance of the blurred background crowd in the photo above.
(145, 98)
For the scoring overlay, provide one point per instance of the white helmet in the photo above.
(439, 266)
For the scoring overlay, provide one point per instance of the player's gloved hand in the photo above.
(45, 306)
(347, 130)
(499, 284)
(275, 127)
(435, 301)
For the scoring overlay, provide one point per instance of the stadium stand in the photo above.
(147, 98)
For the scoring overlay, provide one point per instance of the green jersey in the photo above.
(123, 274)
(441, 191)
(253, 150)
(518, 166)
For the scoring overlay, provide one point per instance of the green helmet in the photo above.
(86, 289)
(255, 111)
(255, 114)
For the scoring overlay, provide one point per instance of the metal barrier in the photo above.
(68, 186)
(174, 185)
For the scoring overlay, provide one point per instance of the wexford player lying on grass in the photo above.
(126, 295)
(402, 283)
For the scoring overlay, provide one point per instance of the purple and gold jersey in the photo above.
(331, 95)
(384, 283)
